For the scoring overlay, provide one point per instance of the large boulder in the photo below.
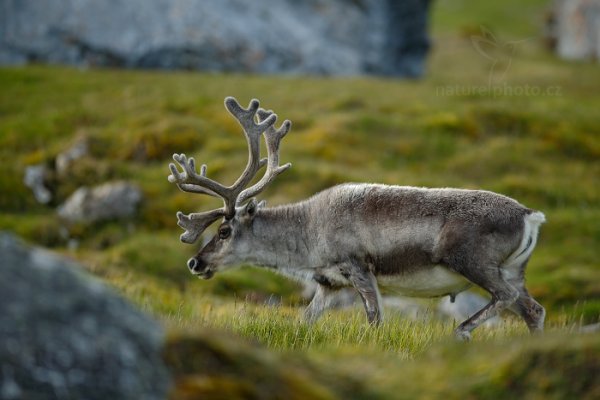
(574, 29)
(265, 36)
(111, 200)
(64, 335)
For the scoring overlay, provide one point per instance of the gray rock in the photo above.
(591, 328)
(265, 36)
(406, 41)
(35, 179)
(343, 298)
(464, 306)
(65, 159)
(64, 335)
(574, 29)
(112, 200)
(407, 307)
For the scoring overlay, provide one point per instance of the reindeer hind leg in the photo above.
(532, 312)
(320, 302)
(504, 294)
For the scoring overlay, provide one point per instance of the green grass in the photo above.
(281, 327)
(449, 129)
(543, 151)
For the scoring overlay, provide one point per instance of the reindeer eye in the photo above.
(224, 232)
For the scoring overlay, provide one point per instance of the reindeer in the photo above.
(422, 242)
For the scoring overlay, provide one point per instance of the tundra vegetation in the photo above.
(542, 149)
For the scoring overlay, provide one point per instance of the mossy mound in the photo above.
(215, 365)
(561, 365)
(220, 366)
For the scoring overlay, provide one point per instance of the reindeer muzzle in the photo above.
(199, 268)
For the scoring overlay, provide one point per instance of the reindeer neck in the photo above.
(282, 234)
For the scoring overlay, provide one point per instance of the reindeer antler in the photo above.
(188, 180)
(272, 139)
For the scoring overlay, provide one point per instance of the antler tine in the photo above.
(190, 181)
(246, 116)
(273, 139)
(189, 187)
(195, 223)
(252, 131)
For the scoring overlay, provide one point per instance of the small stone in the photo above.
(66, 158)
(35, 176)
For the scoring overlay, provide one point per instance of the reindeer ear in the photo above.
(261, 204)
(251, 207)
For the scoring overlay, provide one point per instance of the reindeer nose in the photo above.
(192, 263)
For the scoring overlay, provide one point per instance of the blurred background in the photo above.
(96, 96)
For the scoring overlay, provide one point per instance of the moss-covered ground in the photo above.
(533, 135)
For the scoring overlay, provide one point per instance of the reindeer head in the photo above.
(226, 248)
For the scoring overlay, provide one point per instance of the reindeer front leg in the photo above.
(365, 283)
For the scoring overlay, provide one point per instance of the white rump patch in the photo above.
(511, 266)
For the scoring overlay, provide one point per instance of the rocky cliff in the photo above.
(342, 37)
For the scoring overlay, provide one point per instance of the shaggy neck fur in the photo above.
(282, 239)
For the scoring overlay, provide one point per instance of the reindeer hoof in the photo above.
(462, 336)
